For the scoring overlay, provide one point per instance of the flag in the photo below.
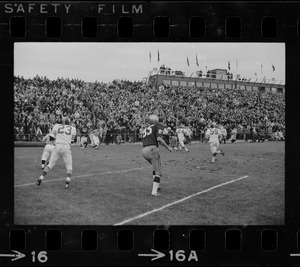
(228, 65)
(261, 67)
(150, 56)
(187, 61)
(157, 55)
(273, 67)
(197, 61)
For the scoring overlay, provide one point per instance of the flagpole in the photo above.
(149, 66)
(236, 67)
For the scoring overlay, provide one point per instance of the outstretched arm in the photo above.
(163, 143)
(45, 138)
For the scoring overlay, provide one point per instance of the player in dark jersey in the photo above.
(152, 137)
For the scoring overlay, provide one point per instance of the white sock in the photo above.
(68, 179)
(154, 188)
(42, 177)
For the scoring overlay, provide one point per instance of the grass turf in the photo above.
(114, 183)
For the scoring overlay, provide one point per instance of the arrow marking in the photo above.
(156, 256)
(15, 257)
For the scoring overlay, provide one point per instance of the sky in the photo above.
(105, 62)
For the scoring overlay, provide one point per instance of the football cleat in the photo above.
(155, 195)
(38, 182)
(67, 184)
(223, 153)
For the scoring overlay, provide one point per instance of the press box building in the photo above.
(215, 78)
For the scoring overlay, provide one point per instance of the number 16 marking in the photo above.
(42, 256)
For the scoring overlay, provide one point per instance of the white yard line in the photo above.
(27, 157)
(81, 176)
(178, 201)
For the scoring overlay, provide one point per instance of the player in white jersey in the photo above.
(180, 134)
(233, 134)
(214, 134)
(64, 134)
(49, 140)
(91, 139)
(94, 135)
(83, 141)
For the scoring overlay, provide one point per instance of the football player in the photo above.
(94, 135)
(233, 134)
(64, 134)
(152, 137)
(188, 134)
(214, 134)
(224, 134)
(172, 138)
(49, 140)
(83, 141)
(180, 133)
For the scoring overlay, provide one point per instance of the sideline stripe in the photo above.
(178, 201)
(81, 176)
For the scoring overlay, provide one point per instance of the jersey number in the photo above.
(147, 131)
(61, 129)
(215, 131)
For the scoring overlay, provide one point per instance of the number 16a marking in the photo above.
(180, 255)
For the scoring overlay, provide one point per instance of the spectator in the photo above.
(39, 103)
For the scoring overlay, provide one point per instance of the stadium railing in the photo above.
(132, 137)
(28, 137)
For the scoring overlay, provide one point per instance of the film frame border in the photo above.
(287, 236)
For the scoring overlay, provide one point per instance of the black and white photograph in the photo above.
(152, 133)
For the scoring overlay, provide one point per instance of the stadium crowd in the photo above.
(121, 107)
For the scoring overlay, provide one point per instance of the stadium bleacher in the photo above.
(120, 108)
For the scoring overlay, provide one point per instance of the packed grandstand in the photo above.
(120, 107)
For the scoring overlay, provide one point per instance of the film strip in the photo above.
(228, 226)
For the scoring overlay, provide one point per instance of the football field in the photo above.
(112, 186)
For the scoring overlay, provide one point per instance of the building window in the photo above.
(183, 83)
(191, 84)
(206, 84)
(199, 84)
(255, 88)
(249, 88)
(221, 85)
(166, 82)
(214, 85)
(175, 83)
